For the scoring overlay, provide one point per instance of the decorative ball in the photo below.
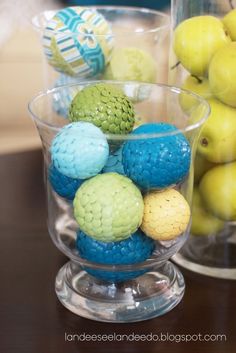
(108, 207)
(80, 150)
(137, 248)
(166, 214)
(78, 41)
(131, 64)
(114, 163)
(157, 162)
(62, 97)
(63, 185)
(105, 106)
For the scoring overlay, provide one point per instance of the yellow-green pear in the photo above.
(229, 22)
(196, 85)
(217, 141)
(196, 40)
(203, 222)
(222, 74)
(218, 191)
(201, 166)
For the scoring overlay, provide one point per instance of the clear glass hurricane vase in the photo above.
(121, 291)
(125, 43)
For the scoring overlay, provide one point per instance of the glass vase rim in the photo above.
(118, 137)
(155, 29)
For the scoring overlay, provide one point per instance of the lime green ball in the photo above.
(105, 106)
(108, 207)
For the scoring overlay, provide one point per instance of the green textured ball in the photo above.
(108, 207)
(105, 106)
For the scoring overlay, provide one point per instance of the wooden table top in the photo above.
(33, 321)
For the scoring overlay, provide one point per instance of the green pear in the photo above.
(217, 141)
(201, 166)
(203, 222)
(218, 191)
(229, 22)
(196, 40)
(196, 85)
(222, 74)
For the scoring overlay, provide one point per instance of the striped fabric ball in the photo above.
(78, 41)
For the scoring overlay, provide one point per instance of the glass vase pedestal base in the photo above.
(147, 296)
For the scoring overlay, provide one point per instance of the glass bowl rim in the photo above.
(124, 137)
(132, 9)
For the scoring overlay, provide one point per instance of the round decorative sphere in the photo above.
(166, 214)
(108, 207)
(157, 162)
(114, 163)
(137, 248)
(78, 41)
(80, 150)
(105, 106)
(131, 64)
(63, 185)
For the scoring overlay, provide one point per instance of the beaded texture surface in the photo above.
(166, 214)
(64, 186)
(108, 207)
(78, 41)
(156, 162)
(137, 248)
(80, 150)
(114, 163)
(105, 106)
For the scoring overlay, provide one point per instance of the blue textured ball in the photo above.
(157, 162)
(137, 248)
(62, 97)
(114, 163)
(80, 150)
(64, 186)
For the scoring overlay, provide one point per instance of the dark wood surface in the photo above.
(31, 318)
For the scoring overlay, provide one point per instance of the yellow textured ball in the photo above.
(166, 214)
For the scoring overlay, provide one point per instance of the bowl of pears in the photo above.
(203, 60)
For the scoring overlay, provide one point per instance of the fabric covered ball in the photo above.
(104, 105)
(78, 41)
(63, 185)
(108, 207)
(157, 162)
(80, 150)
(137, 248)
(166, 214)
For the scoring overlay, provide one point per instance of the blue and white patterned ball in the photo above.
(157, 162)
(78, 41)
(80, 150)
(63, 185)
(137, 248)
